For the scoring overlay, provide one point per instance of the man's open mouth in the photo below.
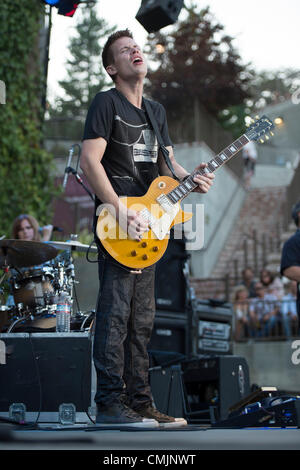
(137, 60)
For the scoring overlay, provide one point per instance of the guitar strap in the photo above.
(162, 147)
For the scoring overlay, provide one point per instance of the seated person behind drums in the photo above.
(31, 288)
(26, 227)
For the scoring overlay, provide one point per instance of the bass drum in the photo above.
(33, 288)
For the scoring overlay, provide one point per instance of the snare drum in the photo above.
(33, 287)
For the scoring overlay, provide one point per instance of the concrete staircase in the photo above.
(255, 240)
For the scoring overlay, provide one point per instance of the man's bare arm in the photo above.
(90, 162)
(293, 273)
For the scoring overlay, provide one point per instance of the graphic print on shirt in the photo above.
(140, 138)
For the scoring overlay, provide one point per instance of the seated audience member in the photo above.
(263, 310)
(249, 281)
(288, 310)
(240, 311)
(272, 284)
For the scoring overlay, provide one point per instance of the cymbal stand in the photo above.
(18, 320)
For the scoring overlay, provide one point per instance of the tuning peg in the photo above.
(272, 133)
(257, 117)
(267, 137)
(262, 141)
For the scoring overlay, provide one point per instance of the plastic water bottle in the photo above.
(63, 313)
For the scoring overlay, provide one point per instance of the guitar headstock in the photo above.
(259, 129)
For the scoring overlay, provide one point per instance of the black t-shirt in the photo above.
(130, 158)
(291, 257)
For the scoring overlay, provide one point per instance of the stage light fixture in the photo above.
(51, 2)
(65, 7)
(156, 14)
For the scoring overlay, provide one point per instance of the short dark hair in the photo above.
(107, 56)
(295, 212)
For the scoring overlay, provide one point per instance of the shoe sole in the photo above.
(174, 424)
(150, 423)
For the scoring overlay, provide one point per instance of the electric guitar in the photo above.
(160, 207)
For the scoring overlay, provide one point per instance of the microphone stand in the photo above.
(69, 169)
(74, 171)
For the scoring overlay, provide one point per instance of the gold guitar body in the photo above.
(140, 254)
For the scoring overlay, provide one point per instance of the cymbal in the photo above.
(74, 245)
(25, 253)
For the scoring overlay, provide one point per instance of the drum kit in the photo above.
(37, 273)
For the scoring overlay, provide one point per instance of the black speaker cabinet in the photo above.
(169, 333)
(166, 387)
(170, 283)
(44, 370)
(156, 14)
(214, 383)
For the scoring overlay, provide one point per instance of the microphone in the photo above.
(67, 171)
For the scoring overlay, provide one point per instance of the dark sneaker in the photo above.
(165, 421)
(119, 415)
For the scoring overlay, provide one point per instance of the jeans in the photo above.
(124, 321)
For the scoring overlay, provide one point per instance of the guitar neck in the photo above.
(188, 185)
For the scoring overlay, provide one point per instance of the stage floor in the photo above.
(193, 437)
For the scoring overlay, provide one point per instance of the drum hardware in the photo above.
(19, 320)
(91, 315)
(38, 273)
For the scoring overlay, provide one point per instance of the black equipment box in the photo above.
(280, 411)
(214, 384)
(45, 370)
(169, 332)
(170, 281)
(214, 334)
(167, 390)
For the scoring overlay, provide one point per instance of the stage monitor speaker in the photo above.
(170, 283)
(156, 14)
(44, 370)
(216, 383)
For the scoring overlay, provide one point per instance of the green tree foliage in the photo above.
(85, 74)
(198, 62)
(271, 87)
(26, 181)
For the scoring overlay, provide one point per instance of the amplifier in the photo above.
(214, 310)
(215, 382)
(214, 327)
(48, 373)
(169, 332)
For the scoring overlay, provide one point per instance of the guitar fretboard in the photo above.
(188, 185)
